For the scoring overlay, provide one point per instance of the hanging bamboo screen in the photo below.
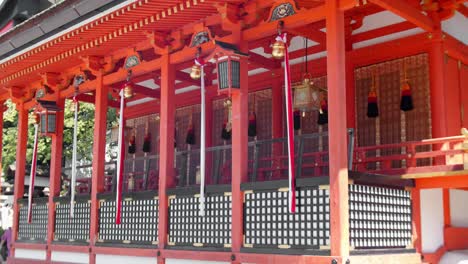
(393, 125)
(138, 127)
(262, 108)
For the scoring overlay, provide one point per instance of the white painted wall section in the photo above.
(457, 27)
(459, 208)
(117, 259)
(185, 261)
(30, 254)
(432, 220)
(70, 257)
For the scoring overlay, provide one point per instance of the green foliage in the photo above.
(85, 135)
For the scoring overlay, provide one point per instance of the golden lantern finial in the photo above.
(128, 89)
(279, 47)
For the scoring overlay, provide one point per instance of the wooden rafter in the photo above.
(406, 11)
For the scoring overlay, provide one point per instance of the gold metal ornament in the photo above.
(128, 91)
(195, 72)
(279, 50)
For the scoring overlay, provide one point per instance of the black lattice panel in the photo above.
(139, 222)
(37, 229)
(71, 229)
(188, 228)
(268, 222)
(379, 217)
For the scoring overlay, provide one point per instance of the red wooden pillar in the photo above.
(350, 95)
(446, 201)
(240, 106)
(209, 138)
(337, 139)
(55, 175)
(20, 166)
(416, 209)
(166, 147)
(437, 80)
(99, 152)
(277, 107)
(2, 109)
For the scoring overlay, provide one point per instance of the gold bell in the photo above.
(195, 73)
(279, 50)
(128, 91)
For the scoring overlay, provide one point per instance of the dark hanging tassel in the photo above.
(131, 145)
(297, 119)
(406, 103)
(372, 106)
(323, 113)
(190, 139)
(226, 132)
(252, 125)
(147, 143)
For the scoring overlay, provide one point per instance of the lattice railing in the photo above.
(187, 228)
(36, 231)
(379, 217)
(139, 224)
(72, 229)
(269, 224)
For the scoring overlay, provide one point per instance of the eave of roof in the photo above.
(50, 22)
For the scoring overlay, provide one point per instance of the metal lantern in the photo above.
(306, 95)
(227, 58)
(47, 112)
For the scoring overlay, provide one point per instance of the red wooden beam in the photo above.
(406, 11)
(87, 98)
(311, 33)
(263, 62)
(383, 31)
(185, 77)
(146, 91)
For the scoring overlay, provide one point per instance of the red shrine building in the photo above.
(250, 131)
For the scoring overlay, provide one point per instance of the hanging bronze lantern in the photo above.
(47, 112)
(128, 91)
(227, 58)
(195, 72)
(306, 96)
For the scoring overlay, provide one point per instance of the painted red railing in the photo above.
(429, 155)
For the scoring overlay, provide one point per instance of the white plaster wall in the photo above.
(117, 259)
(30, 254)
(459, 208)
(184, 261)
(432, 219)
(70, 257)
(457, 27)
